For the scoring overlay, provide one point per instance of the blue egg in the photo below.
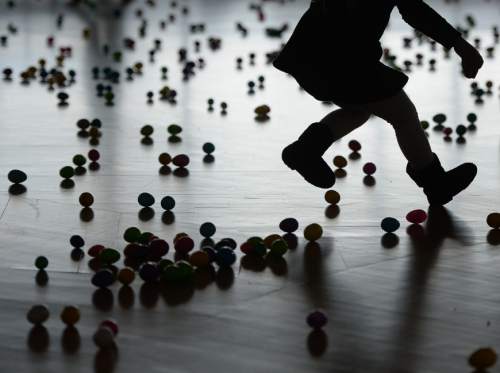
(207, 229)
(167, 203)
(149, 272)
(225, 257)
(389, 224)
(103, 278)
(211, 252)
(146, 200)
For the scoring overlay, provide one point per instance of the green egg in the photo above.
(41, 262)
(79, 160)
(174, 129)
(109, 256)
(208, 147)
(147, 130)
(132, 234)
(67, 172)
(279, 247)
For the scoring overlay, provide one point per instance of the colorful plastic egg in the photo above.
(483, 359)
(184, 245)
(416, 216)
(146, 199)
(199, 259)
(207, 229)
(493, 220)
(369, 168)
(316, 319)
(16, 176)
(167, 203)
(76, 241)
(86, 199)
(354, 145)
(340, 161)
(332, 197)
(41, 262)
(109, 256)
(313, 232)
(132, 234)
(289, 225)
(70, 315)
(38, 314)
(279, 247)
(225, 257)
(180, 160)
(95, 250)
(103, 278)
(126, 276)
(149, 272)
(389, 225)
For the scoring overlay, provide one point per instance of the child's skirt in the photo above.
(327, 67)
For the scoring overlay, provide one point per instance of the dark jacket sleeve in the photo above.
(425, 19)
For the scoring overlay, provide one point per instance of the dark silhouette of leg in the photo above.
(343, 121)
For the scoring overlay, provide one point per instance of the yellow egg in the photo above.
(493, 220)
(332, 197)
(483, 358)
(313, 232)
(339, 161)
(268, 241)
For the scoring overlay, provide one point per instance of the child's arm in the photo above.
(425, 19)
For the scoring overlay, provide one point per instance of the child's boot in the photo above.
(441, 186)
(305, 155)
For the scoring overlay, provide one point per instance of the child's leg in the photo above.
(343, 121)
(400, 112)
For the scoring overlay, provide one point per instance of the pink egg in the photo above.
(113, 326)
(181, 160)
(369, 168)
(416, 216)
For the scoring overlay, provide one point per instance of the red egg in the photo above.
(246, 248)
(416, 216)
(180, 160)
(94, 155)
(184, 245)
(95, 250)
(354, 145)
(448, 131)
(113, 326)
(369, 168)
(158, 248)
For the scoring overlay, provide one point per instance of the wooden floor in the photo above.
(423, 305)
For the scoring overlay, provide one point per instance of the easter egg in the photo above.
(70, 315)
(79, 160)
(424, 124)
(103, 278)
(332, 197)
(167, 203)
(16, 176)
(67, 172)
(226, 242)
(147, 130)
(149, 272)
(289, 225)
(225, 257)
(340, 161)
(76, 241)
(268, 241)
(389, 224)
(461, 130)
(208, 147)
(493, 220)
(369, 168)
(86, 199)
(174, 129)
(164, 158)
(184, 245)
(416, 216)
(38, 314)
(93, 155)
(316, 319)
(246, 248)
(111, 325)
(126, 276)
(207, 229)
(199, 258)
(313, 232)
(94, 251)
(146, 199)
(158, 248)
(180, 160)
(354, 145)
(439, 118)
(472, 117)
(483, 358)
(279, 247)
(132, 234)
(41, 262)
(109, 256)
(185, 271)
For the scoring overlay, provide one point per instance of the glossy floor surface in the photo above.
(421, 305)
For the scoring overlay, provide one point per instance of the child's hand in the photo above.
(471, 58)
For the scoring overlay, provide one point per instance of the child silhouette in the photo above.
(334, 54)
